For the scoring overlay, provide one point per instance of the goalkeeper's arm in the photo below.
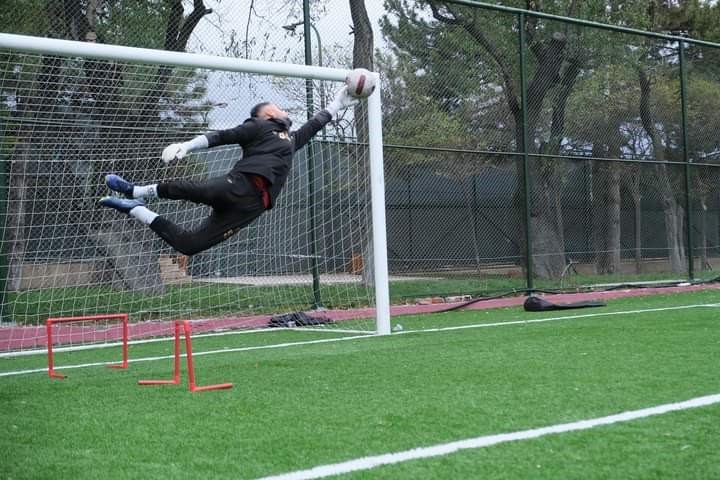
(341, 101)
(176, 151)
(240, 135)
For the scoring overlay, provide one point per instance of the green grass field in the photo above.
(297, 407)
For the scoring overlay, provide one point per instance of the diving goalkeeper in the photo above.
(238, 198)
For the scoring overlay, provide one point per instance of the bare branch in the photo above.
(363, 35)
(247, 29)
(199, 11)
(177, 34)
(474, 30)
(531, 27)
(173, 25)
(454, 20)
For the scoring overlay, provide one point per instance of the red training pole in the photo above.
(191, 369)
(124, 364)
(176, 363)
(51, 361)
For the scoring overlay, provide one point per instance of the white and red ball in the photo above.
(360, 83)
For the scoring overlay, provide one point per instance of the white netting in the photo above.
(66, 122)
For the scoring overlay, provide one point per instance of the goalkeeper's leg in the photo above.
(235, 205)
(215, 229)
(220, 192)
(118, 184)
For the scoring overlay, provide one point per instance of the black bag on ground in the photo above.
(539, 304)
(297, 319)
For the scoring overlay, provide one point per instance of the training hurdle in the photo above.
(85, 334)
(183, 327)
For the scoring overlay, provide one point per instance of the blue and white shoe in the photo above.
(118, 184)
(123, 205)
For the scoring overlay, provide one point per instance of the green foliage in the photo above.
(703, 115)
(134, 23)
(24, 17)
(442, 84)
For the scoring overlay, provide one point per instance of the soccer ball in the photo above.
(360, 83)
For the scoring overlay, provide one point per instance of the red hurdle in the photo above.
(187, 331)
(176, 371)
(122, 317)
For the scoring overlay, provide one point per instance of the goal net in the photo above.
(73, 112)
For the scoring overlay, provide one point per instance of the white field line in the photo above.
(327, 330)
(340, 339)
(218, 333)
(566, 317)
(366, 463)
(195, 354)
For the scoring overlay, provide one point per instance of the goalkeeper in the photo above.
(238, 198)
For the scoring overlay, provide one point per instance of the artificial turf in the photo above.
(300, 406)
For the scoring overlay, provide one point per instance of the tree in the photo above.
(558, 57)
(102, 117)
(575, 104)
(363, 58)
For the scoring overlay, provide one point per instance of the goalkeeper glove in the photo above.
(176, 151)
(341, 101)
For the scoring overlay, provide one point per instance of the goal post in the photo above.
(378, 210)
(75, 137)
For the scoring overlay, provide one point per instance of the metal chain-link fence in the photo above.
(589, 150)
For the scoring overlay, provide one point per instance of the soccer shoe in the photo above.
(118, 184)
(121, 204)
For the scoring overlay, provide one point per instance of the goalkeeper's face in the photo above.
(272, 111)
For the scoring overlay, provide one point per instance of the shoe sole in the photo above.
(119, 209)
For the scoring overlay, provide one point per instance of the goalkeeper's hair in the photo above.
(254, 111)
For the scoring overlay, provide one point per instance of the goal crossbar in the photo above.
(52, 46)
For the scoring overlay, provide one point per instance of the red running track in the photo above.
(29, 337)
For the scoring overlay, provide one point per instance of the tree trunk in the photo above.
(105, 84)
(131, 269)
(634, 187)
(467, 185)
(363, 58)
(674, 214)
(18, 198)
(704, 261)
(553, 71)
(673, 210)
(35, 101)
(606, 215)
(546, 221)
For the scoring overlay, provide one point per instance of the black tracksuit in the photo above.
(238, 198)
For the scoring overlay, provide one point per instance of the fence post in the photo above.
(310, 149)
(686, 164)
(5, 316)
(526, 160)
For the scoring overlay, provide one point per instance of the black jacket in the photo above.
(268, 147)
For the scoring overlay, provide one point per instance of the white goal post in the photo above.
(130, 55)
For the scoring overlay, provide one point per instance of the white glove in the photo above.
(176, 151)
(341, 101)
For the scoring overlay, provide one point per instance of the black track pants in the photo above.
(235, 204)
